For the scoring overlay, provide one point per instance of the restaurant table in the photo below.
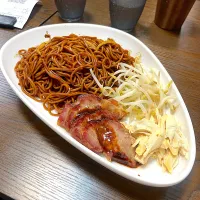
(36, 163)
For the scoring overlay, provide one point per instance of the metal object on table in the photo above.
(171, 14)
(124, 14)
(70, 10)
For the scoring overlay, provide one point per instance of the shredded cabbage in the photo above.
(150, 111)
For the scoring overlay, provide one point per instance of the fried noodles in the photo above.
(57, 71)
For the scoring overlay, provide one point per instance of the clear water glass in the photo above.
(124, 14)
(70, 10)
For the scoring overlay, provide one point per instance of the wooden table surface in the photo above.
(36, 163)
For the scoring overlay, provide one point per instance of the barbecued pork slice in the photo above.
(86, 103)
(85, 132)
(86, 135)
(102, 134)
(63, 116)
(89, 103)
(94, 122)
(113, 107)
(116, 142)
(88, 99)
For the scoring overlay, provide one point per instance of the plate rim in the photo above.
(75, 143)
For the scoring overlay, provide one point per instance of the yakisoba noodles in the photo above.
(57, 71)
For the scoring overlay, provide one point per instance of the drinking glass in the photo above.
(70, 10)
(124, 14)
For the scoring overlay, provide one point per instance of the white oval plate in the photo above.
(151, 174)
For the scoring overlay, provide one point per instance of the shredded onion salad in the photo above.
(150, 110)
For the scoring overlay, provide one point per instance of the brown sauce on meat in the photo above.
(108, 141)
